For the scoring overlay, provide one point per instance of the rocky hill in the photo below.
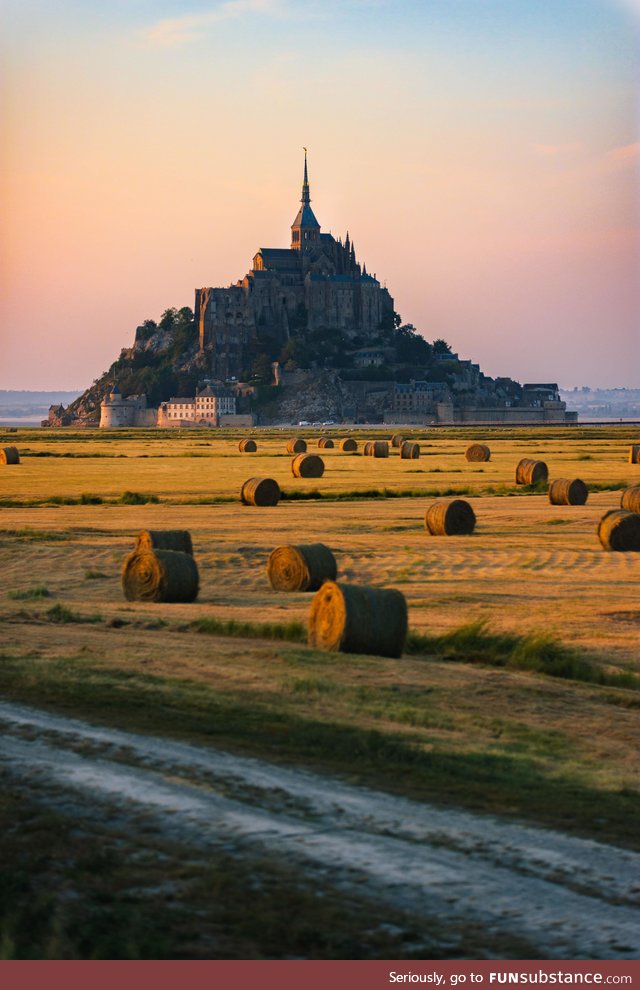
(325, 375)
(163, 361)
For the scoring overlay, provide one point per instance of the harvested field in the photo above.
(522, 551)
(518, 690)
(154, 464)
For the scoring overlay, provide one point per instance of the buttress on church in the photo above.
(314, 284)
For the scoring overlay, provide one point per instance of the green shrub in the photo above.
(38, 591)
(60, 613)
(137, 498)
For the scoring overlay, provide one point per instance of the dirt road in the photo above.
(570, 898)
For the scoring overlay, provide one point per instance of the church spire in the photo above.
(305, 182)
(305, 229)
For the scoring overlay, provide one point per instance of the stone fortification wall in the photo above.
(237, 419)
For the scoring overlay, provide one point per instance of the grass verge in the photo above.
(473, 643)
(334, 734)
(75, 888)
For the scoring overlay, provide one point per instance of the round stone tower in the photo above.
(115, 411)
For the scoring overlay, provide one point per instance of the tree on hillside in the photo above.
(261, 368)
(440, 346)
(411, 347)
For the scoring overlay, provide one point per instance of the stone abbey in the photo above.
(311, 321)
(315, 284)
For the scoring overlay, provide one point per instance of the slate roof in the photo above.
(305, 217)
(278, 254)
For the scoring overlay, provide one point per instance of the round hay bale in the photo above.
(307, 466)
(9, 455)
(247, 446)
(530, 472)
(620, 530)
(353, 618)
(164, 539)
(397, 440)
(260, 491)
(159, 576)
(410, 450)
(564, 491)
(630, 499)
(450, 517)
(349, 445)
(376, 448)
(478, 452)
(301, 568)
(634, 453)
(325, 442)
(296, 445)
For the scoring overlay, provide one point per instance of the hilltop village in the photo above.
(307, 335)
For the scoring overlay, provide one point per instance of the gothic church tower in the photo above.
(305, 229)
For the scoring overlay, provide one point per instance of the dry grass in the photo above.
(528, 567)
(529, 570)
(205, 464)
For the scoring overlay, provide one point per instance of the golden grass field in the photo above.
(530, 569)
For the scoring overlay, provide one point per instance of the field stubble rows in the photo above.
(529, 568)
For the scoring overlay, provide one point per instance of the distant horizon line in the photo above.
(562, 388)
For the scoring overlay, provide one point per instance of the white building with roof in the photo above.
(206, 408)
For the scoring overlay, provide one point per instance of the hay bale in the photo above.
(159, 576)
(301, 568)
(307, 466)
(564, 491)
(397, 440)
(376, 448)
(247, 446)
(530, 472)
(450, 517)
(325, 442)
(630, 499)
(409, 450)
(353, 618)
(260, 491)
(164, 539)
(619, 530)
(478, 452)
(296, 445)
(9, 455)
(349, 445)
(634, 453)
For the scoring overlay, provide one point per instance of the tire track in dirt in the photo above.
(570, 897)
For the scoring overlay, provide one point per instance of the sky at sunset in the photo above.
(483, 154)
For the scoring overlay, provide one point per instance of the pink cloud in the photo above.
(627, 153)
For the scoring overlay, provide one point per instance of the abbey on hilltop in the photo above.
(306, 336)
(316, 284)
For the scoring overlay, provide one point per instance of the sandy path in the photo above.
(569, 897)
